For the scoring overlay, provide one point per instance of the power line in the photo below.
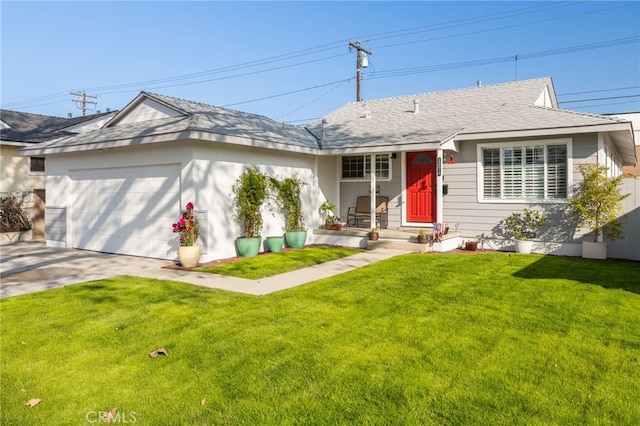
(489, 61)
(599, 99)
(113, 89)
(598, 91)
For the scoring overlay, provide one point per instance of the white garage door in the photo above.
(126, 210)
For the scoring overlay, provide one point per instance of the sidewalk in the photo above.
(28, 267)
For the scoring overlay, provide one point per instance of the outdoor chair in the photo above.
(360, 214)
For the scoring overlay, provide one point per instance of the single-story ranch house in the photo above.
(467, 157)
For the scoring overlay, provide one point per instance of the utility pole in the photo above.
(361, 62)
(82, 99)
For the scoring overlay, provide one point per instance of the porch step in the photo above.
(397, 239)
(408, 241)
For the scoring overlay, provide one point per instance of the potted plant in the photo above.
(249, 194)
(524, 227)
(189, 230)
(374, 234)
(275, 243)
(331, 221)
(288, 197)
(423, 238)
(597, 206)
(471, 245)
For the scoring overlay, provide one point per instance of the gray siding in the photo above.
(464, 213)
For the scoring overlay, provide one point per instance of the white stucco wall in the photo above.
(208, 172)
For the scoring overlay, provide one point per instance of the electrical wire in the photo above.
(159, 83)
(600, 90)
(599, 99)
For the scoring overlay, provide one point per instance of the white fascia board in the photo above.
(543, 132)
(168, 137)
(428, 146)
(94, 146)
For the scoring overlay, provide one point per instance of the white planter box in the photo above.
(594, 250)
(524, 246)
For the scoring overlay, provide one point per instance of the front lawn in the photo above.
(269, 264)
(418, 339)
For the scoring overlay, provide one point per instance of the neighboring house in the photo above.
(25, 176)
(465, 157)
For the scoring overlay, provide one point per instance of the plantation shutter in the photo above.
(491, 172)
(512, 173)
(557, 171)
(533, 182)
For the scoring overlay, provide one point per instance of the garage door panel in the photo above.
(128, 211)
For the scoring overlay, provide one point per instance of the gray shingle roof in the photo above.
(495, 108)
(192, 116)
(35, 128)
(230, 122)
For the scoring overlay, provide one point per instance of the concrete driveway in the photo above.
(27, 267)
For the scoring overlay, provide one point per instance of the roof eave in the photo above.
(519, 133)
(166, 137)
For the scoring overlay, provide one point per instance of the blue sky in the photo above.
(290, 61)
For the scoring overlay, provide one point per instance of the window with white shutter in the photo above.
(524, 171)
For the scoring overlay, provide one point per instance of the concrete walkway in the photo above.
(27, 267)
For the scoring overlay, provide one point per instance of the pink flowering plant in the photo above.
(187, 227)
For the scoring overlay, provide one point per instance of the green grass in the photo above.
(419, 339)
(268, 264)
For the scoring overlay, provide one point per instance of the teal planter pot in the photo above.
(248, 247)
(296, 239)
(275, 244)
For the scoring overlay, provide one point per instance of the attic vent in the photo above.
(367, 114)
(416, 106)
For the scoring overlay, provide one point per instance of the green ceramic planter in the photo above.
(296, 239)
(275, 244)
(248, 247)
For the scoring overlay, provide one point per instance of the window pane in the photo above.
(557, 171)
(37, 164)
(529, 172)
(353, 167)
(491, 172)
(382, 166)
(512, 173)
(533, 183)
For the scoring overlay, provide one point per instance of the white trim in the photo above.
(479, 170)
(543, 132)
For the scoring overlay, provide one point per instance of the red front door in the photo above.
(421, 186)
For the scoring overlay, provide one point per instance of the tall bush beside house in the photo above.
(524, 227)
(288, 197)
(249, 194)
(189, 230)
(598, 206)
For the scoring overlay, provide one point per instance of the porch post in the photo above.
(372, 190)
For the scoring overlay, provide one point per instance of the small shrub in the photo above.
(12, 216)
